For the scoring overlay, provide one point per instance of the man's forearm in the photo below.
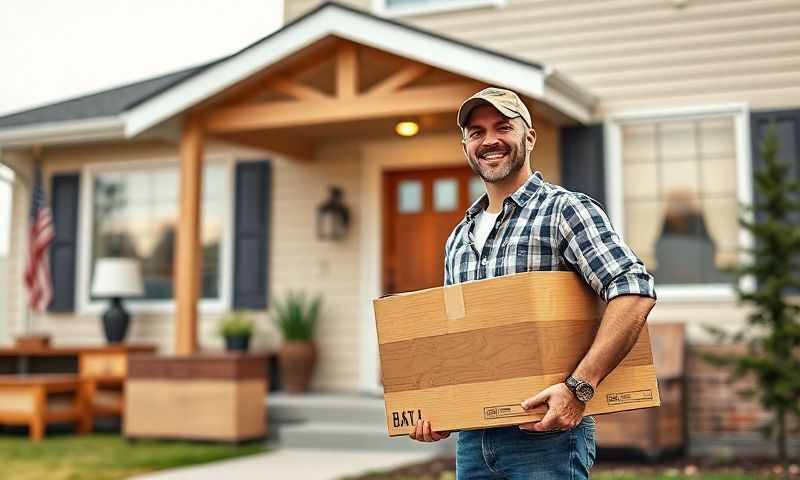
(623, 320)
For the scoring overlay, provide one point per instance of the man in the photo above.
(521, 224)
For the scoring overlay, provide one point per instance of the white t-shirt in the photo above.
(483, 226)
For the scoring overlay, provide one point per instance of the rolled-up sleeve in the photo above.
(589, 244)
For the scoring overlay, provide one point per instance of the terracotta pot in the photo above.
(297, 360)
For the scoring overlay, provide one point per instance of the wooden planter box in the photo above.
(202, 397)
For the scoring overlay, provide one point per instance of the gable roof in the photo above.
(129, 110)
(105, 103)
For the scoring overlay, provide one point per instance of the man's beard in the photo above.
(517, 157)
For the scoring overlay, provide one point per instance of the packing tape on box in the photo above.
(454, 302)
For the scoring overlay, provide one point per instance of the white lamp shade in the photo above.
(117, 277)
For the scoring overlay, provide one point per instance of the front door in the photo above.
(421, 207)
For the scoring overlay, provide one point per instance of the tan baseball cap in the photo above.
(505, 101)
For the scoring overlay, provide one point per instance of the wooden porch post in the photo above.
(187, 243)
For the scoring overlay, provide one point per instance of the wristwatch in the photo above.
(583, 390)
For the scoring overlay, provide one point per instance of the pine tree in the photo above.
(772, 330)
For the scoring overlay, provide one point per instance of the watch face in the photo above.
(584, 392)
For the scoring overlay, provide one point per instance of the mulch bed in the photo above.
(444, 469)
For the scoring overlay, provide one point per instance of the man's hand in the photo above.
(564, 411)
(423, 433)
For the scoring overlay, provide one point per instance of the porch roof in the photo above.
(127, 111)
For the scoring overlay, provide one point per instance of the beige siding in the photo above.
(646, 54)
(300, 261)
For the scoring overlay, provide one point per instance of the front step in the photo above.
(283, 407)
(335, 421)
(330, 435)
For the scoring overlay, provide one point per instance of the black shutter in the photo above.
(63, 251)
(787, 127)
(583, 160)
(251, 234)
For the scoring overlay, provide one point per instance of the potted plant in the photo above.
(296, 316)
(237, 329)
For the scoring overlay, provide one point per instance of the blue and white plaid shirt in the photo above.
(544, 227)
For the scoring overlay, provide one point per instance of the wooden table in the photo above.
(101, 368)
(29, 400)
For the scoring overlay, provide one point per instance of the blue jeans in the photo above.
(513, 454)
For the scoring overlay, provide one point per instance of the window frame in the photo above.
(7, 178)
(381, 7)
(740, 113)
(95, 307)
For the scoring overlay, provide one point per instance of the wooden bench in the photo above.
(37, 400)
(654, 431)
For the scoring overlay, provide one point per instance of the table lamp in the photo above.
(116, 278)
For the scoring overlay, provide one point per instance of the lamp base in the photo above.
(115, 322)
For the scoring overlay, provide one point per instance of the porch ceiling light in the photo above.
(406, 128)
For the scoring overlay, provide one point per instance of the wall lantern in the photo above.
(333, 217)
(406, 129)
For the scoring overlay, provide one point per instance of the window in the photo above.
(409, 196)
(415, 7)
(6, 181)
(678, 198)
(134, 214)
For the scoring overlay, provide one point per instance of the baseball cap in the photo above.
(505, 101)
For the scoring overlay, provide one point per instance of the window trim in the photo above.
(380, 7)
(88, 174)
(744, 186)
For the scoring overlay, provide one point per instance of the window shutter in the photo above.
(251, 235)
(583, 160)
(787, 127)
(63, 251)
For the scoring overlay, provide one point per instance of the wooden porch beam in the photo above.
(399, 79)
(297, 148)
(412, 101)
(187, 249)
(296, 90)
(346, 71)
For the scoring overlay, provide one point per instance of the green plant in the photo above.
(772, 333)
(235, 324)
(296, 315)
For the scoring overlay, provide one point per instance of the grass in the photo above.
(105, 456)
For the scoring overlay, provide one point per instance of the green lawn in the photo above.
(105, 456)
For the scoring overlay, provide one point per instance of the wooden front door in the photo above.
(421, 207)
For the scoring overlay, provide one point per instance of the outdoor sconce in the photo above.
(333, 217)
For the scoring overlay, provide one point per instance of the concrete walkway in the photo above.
(308, 464)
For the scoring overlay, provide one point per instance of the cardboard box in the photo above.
(466, 355)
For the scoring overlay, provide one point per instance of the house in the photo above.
(655, 109)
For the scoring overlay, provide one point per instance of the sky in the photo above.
(52, 50)
(57, 49)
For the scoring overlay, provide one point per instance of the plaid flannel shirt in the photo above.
(544, 227)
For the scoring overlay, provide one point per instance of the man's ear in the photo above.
(464, 149)
(530, 136)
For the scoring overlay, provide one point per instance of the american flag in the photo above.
(37, 271)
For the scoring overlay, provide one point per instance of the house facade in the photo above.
(655, 109)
